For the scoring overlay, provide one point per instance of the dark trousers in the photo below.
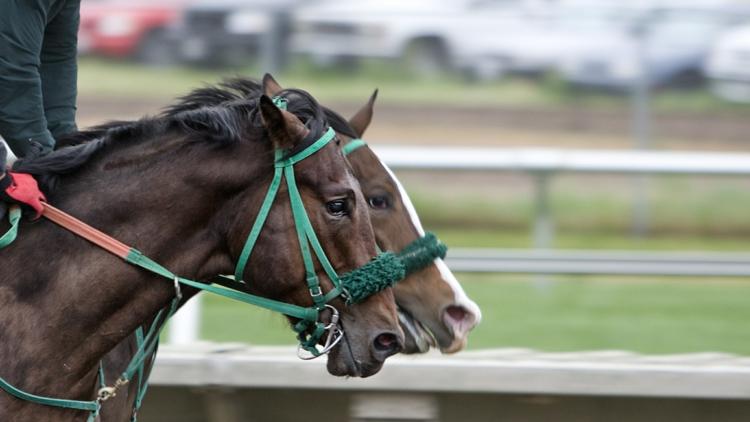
(38, 71)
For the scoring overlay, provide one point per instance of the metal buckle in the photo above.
(106, 393)
(316, 292)
(335, 334)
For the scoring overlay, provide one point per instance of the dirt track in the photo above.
(567, 128)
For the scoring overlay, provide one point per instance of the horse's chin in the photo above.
(419, 338)
(341, 363)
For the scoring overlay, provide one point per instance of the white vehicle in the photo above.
(428, 34)
(676, 39)
(728, 65)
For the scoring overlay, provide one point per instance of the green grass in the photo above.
(103, 78)
(685, 213)
(648, 316)
(651, 316)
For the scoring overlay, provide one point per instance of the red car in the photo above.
(132, 28)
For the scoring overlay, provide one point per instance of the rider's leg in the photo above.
(59, 70)
(22, 120)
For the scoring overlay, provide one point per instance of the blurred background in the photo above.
(532, 79)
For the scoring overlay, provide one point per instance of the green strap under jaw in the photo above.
(137, 258)
(91, 406)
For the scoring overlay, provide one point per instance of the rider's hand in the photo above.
(21, 188)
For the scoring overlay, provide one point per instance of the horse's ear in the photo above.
(270, 86)
(362, 118)
(284, 128)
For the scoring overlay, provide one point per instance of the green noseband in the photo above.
(388, 268)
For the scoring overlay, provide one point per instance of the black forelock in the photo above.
(312, 115)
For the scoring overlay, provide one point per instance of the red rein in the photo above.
(85, 231)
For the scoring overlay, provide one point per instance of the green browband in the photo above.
(354, 144)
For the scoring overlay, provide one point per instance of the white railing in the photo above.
(598, 373)
(542, 160)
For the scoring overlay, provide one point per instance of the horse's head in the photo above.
(433, 308)
(276, 268)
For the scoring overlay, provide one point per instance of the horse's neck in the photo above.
(66, 303)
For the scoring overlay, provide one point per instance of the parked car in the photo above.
(529, 40)
(425, 34)
(728, 65)
(229, 32)
(670, 43)
(128, 28)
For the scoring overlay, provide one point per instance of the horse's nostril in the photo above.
(457, 313)
(387, 344)
(385, 341)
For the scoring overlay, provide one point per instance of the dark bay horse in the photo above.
(433, 308)
(185, 189)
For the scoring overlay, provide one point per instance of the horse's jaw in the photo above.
(343, 363)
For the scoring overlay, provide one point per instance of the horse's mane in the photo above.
(219, 115)
(239, 88)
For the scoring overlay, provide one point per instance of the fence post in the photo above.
(274, 43)
(544, 230)
(184, 327)
(642, 128)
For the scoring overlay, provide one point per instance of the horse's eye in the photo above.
(378, 202)
(337, 207)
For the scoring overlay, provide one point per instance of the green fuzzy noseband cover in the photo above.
(383, 271)
(421, 252)
(388, 268)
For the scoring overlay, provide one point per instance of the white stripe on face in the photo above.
(460, 297)
(406, 201)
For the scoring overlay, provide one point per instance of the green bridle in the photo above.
(383, 271)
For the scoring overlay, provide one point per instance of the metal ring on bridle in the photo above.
(335, 334)
(177, 290)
